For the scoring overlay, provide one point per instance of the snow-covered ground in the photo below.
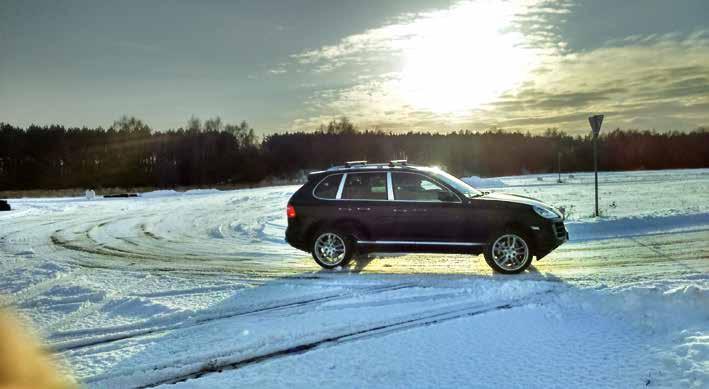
(199, 289)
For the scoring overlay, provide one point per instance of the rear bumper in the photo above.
(294, 237)
(548, 237)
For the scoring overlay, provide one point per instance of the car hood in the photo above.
(512, 198)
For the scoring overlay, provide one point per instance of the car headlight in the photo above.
(545, 212)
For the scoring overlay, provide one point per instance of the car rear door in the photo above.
(426, 211)
(365, 199)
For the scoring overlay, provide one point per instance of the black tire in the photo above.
(321, 258)
(517, 263)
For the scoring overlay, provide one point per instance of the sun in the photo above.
(463, 57)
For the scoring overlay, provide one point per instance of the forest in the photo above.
(130, 154)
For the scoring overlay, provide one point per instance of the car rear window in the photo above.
(327, 189)
(365, 186)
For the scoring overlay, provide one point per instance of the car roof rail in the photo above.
(398, 162)
(355, 163)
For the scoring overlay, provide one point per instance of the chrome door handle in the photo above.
(345, 209)
(364, 209)
(396, 210)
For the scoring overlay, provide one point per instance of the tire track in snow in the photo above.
(661, 254)
(172, 234)
(165, 237)
(427, 318)
(88, 244)
(24, 296)
(72, 345)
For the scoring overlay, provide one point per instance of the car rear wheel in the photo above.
(508, 253)
(331, 248)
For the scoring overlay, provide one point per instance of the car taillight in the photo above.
(290, 211)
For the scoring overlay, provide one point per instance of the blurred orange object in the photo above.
(23, 362)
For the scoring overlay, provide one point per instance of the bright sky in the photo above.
(393, 65)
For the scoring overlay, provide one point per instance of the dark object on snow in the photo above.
(4, 206)
(120, 195)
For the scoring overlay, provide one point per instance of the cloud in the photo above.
(532, 83)
(277, 71)
(631, 81)
(389, 42)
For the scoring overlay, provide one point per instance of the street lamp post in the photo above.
(595, 122)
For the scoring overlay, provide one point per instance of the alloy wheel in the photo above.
(330, 249)
(510, 252)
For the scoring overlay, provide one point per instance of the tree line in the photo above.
(131, 154)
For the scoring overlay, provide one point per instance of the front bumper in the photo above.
(549, 236)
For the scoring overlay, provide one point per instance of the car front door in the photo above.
(427, 211)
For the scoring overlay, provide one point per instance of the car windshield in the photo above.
(456, 183)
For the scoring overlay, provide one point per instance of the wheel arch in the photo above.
(349, 225)
(520, 229)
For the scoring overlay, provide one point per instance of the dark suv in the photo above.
(396, 207)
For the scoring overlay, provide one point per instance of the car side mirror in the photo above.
(446, 196)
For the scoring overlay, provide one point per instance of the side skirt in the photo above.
(417, 243)
(421, 246)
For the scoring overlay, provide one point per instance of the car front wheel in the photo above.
(508, 253)
(331, 248)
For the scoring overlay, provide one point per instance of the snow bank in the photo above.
(673, 317)
(635, 226)
(160, 193)
(171, 192)
(658, 307)
(479, 182)
(201, 191)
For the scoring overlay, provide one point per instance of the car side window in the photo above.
(327, 189)
(415, 187)
(365, 186)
